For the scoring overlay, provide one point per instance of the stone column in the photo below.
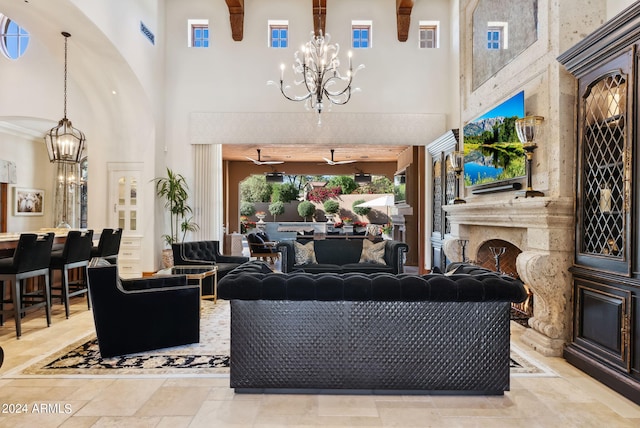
(547, 274)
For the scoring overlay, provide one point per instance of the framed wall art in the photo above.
(28, 202)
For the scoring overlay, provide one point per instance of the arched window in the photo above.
(13, 38)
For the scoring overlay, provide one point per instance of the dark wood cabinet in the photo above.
(606, 274)
(443, 193)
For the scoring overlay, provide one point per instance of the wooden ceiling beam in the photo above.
(236, 18)
(319, 16)
(403, 17)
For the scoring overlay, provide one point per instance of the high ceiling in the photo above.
(311, 153)
(319, 11)
(314, 153)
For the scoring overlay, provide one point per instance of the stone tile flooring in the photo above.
(571, 399)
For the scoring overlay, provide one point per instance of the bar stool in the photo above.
(108, 246)
(30, 260)
(75, 254)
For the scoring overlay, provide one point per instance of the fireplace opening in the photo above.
(500, 256)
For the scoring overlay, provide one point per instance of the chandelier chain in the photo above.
(66, 39)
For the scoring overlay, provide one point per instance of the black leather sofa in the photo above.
(135, 315)
(205, 253)
(342, 256)
(369, 333)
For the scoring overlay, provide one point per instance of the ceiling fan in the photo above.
(261, 162)
(332, 162)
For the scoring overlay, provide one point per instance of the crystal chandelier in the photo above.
(318, 67)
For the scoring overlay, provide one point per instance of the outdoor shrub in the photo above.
(331, 206)
(306, 209)
(360, 210)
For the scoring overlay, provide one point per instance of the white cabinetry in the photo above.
(129, 257)
(125, 202)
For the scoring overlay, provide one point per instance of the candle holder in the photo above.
(463, 245)
(528, 128)
(456, 159)
(497, 252)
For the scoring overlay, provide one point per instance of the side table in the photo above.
(196, 273)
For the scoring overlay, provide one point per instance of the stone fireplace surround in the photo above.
(543, 228)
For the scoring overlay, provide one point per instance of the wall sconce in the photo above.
(528, 128)
(605, 199)
(457, 162)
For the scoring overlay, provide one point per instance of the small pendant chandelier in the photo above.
(64, 142)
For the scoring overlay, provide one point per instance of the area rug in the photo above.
(210, 357)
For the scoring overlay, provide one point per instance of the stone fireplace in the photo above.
(543, 229)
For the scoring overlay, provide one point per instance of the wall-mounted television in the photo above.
(400, 188)
(492, 150)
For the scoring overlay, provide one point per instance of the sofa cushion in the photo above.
(373, 253)
(366, 267)
(338, 252)
(304, 253)
(318, 268)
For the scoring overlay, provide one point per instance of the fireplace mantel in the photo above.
(543, 228)
(541, 212)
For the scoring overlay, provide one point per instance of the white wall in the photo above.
(134, 105)
(32, 171)
(231, 76)
(614, 7)
(115, 103)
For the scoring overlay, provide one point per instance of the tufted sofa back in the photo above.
(481, 287)
(196, 250)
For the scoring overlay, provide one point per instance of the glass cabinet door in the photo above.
(604, 168)
(125, 202)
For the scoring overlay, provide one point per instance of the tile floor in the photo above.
(571, 399)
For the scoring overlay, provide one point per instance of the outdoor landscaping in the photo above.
(330, 199)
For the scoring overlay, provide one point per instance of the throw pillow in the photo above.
(452, 272)
(373, 253)
(304, 253)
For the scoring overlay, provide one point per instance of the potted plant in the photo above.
(386, 230)
(246, 225)
(174, 190)
(306, 209)
(276, 208)
(331, 208)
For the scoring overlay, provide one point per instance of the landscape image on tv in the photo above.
(492, 151)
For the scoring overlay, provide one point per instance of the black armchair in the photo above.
(205, 253)
(136, 315)
(261, 247)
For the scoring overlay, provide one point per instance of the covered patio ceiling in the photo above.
(311, 153)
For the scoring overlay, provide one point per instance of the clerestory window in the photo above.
(361, 34)
(278, 34)
(13, 38)
(429, 35)
(198, 36)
